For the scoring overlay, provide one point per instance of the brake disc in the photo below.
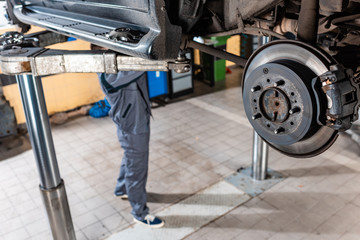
(280, 100)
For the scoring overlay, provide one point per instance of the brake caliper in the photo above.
(343, 95)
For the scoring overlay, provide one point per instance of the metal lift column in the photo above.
(52, 187)
(260, 148)
(260, 158)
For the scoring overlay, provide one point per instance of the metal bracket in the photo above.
(12, 39)
(42, 62)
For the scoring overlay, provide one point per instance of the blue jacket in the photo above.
(129, 100)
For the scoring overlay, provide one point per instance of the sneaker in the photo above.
(123, 197)
(151, 221)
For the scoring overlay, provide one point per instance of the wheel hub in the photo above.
(274, 105)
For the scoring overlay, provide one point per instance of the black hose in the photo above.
(308, 21)
(217, 53)
(345, 19)
(248, 30)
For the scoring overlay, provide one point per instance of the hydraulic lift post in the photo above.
(52, 187)
(260, 148)
(259, 158)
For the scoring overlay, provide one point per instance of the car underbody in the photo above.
(299, 90)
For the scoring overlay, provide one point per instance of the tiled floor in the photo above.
(194, 144)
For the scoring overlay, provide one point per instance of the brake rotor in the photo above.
(280, 100)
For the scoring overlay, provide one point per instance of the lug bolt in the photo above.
(256, 88)
(279, 83)
(294, 110)
(279, 130)
(256, 116)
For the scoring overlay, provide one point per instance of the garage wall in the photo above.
(233, 46)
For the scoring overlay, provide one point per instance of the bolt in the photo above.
(187, 68)
(279, 83)
(256, 88)
(279, 130)
(256, 116)
(265, 70)
(294, 110)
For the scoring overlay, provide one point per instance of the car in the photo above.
(299, 90)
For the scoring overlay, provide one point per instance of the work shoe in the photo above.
(123, 196)
(151, 221)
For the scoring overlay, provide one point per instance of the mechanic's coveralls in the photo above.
(130, 110)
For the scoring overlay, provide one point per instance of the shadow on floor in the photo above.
(209, 199)
(248, 217)
(13, 145)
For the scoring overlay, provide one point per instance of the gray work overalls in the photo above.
(130, 110)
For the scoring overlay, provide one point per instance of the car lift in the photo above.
(28, 64)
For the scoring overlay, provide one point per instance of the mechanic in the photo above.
(130, 110)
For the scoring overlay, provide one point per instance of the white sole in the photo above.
(123, 197)
(148, 225)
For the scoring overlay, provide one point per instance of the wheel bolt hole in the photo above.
(292, 93)
(277, 103)
(254, 100)
(268, 125)
(268, 80)
(291, 123)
